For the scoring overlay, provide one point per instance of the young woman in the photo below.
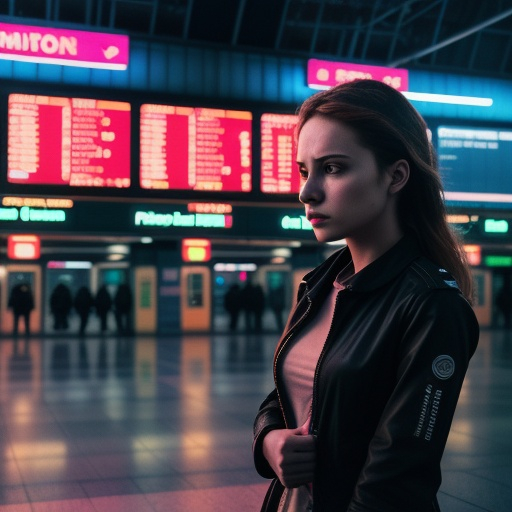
(372, 359)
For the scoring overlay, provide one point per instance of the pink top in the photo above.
(299, 368)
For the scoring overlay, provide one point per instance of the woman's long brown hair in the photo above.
(389, 126)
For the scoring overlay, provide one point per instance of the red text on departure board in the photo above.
(68, 141)
(186, 148)
(279, 174)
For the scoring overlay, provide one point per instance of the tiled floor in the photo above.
(147, 424)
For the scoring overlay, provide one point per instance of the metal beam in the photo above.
(471, 61)
(318, 21)
(398, 26)
(48, 10)
(451, 40)
(88, 12)
(504, 60)
(238, 22)
(279, 36)
(355, 36)
(369, 31)
(112, 15)
(437, 30)
(154, 14)
(188, 16)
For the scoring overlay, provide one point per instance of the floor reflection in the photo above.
(164, 423)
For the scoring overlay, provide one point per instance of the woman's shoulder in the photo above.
(431, 275)
(428, 286)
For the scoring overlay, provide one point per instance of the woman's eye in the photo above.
(332, 169)
(303, 173)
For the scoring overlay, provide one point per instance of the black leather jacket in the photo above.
(386, 383)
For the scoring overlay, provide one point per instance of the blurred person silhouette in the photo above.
(123, 304)
(252, 301)
(276, 300)
(503, 302)
(61, 303)
(83, 303)
(103, 304)
(232, 305)
(258, 305)
(371, 362)
(21, 301)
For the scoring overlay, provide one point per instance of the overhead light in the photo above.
(341, 242)
(69, 264)
(146, 240)
(282, 252)
(118, 249)
(235, 267)
(458, 219)
(448, 98)
(115, 257)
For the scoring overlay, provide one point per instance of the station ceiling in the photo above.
(472, 37)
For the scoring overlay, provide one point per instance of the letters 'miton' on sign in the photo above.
(323, 74)
(48, 45)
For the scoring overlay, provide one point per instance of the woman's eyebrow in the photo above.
(326, 157)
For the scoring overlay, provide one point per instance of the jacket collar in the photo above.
(377, 274)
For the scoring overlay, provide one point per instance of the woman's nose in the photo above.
(311, 191)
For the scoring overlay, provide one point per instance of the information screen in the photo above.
(475, 164)
(185, 148)
(68, 141)
(279, 174)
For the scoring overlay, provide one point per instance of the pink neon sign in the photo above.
(323, 74)
(65, 47)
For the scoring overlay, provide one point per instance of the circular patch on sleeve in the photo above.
(443, 367)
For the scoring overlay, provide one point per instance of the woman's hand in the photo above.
(291, 454)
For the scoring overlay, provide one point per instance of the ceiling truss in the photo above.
(466, 36)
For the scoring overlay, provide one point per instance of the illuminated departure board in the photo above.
(185, 148)
(279, 175)
(474, 163)
(68, 141)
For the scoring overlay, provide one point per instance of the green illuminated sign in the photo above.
(300, 223)
(495, 226)
(28, 214)
(9, 214)
(178, 219)
(498, 261)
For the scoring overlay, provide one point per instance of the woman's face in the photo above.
(342, 188)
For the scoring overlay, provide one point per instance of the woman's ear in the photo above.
(399, 174)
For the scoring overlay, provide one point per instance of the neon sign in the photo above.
(23, 247)
(298, 223)
(323, 74)
(49, 45)
(194, 249)
(37, 202)
(178, 219)
(28, 214)
(209, 208)
(495, 226)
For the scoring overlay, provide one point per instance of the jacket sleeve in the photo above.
(269, 418)
(402, 469)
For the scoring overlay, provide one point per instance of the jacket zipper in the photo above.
(281, 348)
(313, 429)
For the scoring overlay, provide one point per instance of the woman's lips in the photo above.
(316, 219)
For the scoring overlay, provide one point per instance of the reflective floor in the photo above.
(164, 424)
